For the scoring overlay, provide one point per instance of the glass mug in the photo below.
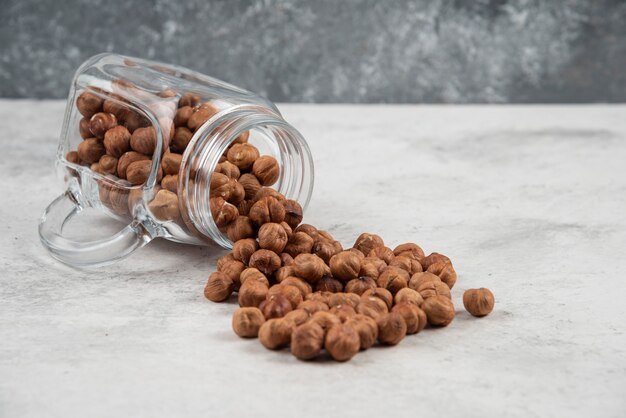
(140, 94)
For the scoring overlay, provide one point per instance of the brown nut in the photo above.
(223, 212)
(100, 123)
(233, 270)
(83, 128)
(276, 333)
(265, 261)
(286, 259)
(383, 253)
(253, 275)
(283, 272)
(117, 141)
(267, 209)
(434, 288)
(325, 319)
(249, 182)
(201, 115)
(342, 342)
(370, 266)
(328, 284)
(90, 150)
(242, 138)
(275, 306)
(410, 250)
(244, 248)
(439, 310)
(408, 295)
(189, 99)
(219, 287)
(229, 169)
(391, 328)
(289, 292)
(360, 285)
(127, 159)
(108, 164)
(303, 287)
(307, 341)
(343, 312)
(222, 261)
(182, 116)
(358, 253)
(164, 206)
(445, 272)
(319, 296)
(478, 302)
(72, 157)
(372, 307)
(272, 236)
(420, 278)
(299, 243)
(393, 279)
(240, 228)
(324, 249)
(367, 329)
(406, 263)
(297, 316)
(412, 317)
(242, 155)
(266, 170)
(170, 162)
(170, 182)
(144, 140)
(311, 306)
(247, 321)
(434, 258)
(180, 140)
(252, 293)
(138, 172)
(310, 230)
(367, 242)
(336, 299)
(293, 212)
(345, 266)
(309, 267)
(89, 104)
(380, 293)
(268, 192)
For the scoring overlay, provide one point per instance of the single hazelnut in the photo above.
(201, 115)
(342, 342)
(367, 242)
(310, 230)
(275, 306)
(311, 306)
(253, 275)
(89, 103)
(372, 307)
(307, 341)
(268, 192)
(289, 292)
(180, 140)
(324, 249)
(297, 316)
(360, 285)
(230, 170)
(118, 197)
(242, 138)
(309, 267)
(265, 261)
(144, 140)
(190, 100)
(383, 253)
(266, 170)
(285, 258)
(391, 328)
(267, 209)
(343, 312)
(420, 278)
(219, 287)
(249, 182)
(345, 266)
(182, 116)
(325, 319)
(223, 212)
(90, 150)
(370, 267)
(283, 272)
(139, 171)
(293, 212)
(409, 249)
(478, 302)
(411, 315)
(408, 295)
(299, 243)
(276, 333)
(358, 253)
(164, 206)
(170, 182)
(133, 120)
(380, 293)
(244, 248)
(392, 279)
(439, 310)
(240, 228)
(100, 123)
(328, 284)
(108, 164)
(170, 162)
(127, 159)
(445, 272)
(83, 128)
(252, 293)
(225, 259)
(303, 287)
(233, 270)
(72, 157)
(434, 258)
(117, 141)
(244, 207)
(366, 327)
(403, 263)
(434, 288)
(247, 321)
(336, 299)
(243, 155)
(272, 236)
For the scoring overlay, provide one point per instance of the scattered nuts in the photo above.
(478, 302)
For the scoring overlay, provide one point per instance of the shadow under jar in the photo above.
(172, 153)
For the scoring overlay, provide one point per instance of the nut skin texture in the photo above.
(180, 140)
(253, 275)
(182, 116)
(372, 307)
(337, 299)
(250, 184)
(434, 288)
(409, 249)
(299, 243)
(307, 341)
(267, 209)
(439, 310)
(266, 170)
(89, 103)
(343, 312)
(127, 159)
(408, 295)
(391, 328)
(223, 212)
(243, 155)
(171, 163)
(117, 141)
(420, 278)
(170, 182)
(164, 206)
(139, 171)
(367, 242)
(309, 267)
(313, 306)
(293, 212)
(289, 292)
(108, 164)
(230, 170)
(240, 228)
(303, 287)
(367, 329)
(244, 248)
(392, 279)
(100, 123)
(382, 252)
(189, 99)
(219, 287)
(411, 315)
(345, 266)
(91, 150)
(380, 293)
(233, 270)
(252, 293)
(478, 302)
(266, 261)
(83, 128)
(275, 306)
(325, 319)
(445, 272)
(276, 333)
(434, 258)
(283, 272)
(247, 322)
(272, 236)
(360, 285)
(328, 284)
(201, 115)
(342, 342)
(297, 316)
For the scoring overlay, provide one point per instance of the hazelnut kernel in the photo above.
(408, 295)
(100, 123)
(299, 243)
(127, 159)
(272, 236)
(343, 312)
(380, 293)
(345, 266)
(297, 316)
(250, 184)
(303, 287)
(266, 170)
(200, 116)
(372, 307)
(219, 287)
(90, 150)
(478, 302)
(367, 329)
(439, 310)
(325, 319)
(252, 293)
(180, 140)
(420, 278)
(253, 275)
(383, 253)
(360, 285)
(411, 315)
(139, 171)
(117, 141)
(276, 333)
(182, 116)
(230, 170)
(391, 328)
(445, 271)
(434, 288)
(328, 284)
(164, 206)
(367, 242)
(190, 100)
(307, 341)
(342, 342)
(247, 321)
(170, 182)
(242, 155)
(293, 212)
(434, 258)
(233, 270)
(244, 248)
(265, 261)
(223, 212)
(240, 228)
(413, 250)
(337, 299)
(312, 306)
(170, 162)
(392, 279)
(309, 267)
(275, 306)
(267, 209)
(291, 293)
(83, 128)
(88, 104)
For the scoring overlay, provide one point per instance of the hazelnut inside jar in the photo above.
(175, 154)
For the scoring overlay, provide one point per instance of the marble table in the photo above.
(529, 201)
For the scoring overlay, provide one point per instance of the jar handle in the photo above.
(85, 253)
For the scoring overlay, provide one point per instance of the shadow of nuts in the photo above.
(439, 310)
(478, 302)
(247, 322)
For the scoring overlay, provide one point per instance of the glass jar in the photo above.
(141, 141)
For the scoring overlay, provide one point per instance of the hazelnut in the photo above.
(293, 212)
(324, 249)
(272, 236)
(180, 140)
(408, 295)
(164, 206)
(299, 243)
(100, 123)
(439, 310)
(345, 266)
(383, 253)
(358, 253)
(233, 270)
(336, 299)
(283, 272)
(403, 263)
(266, 170)
(117, 141)
(229, 169)
(276, 333)
(90, 150)
(434, 258)
(139, 171)
(222, 261)
(72, 157)
(367, 242)
(265, 261)
(223, 212)
(133, 120)
(289, 292)
(370, 267)
(219, 287)
(410, 250)
(372, 307)
(249, 182)
(343, 312)
(434, 288)
(285, 258)
(420, 278)
(312, 306)
(244, 248)
(267, 209)
(297, 316)
(366, 327)
(275, 306)
(309, 267)
(242, 138)
(393, 279)
(118, 198)
(242, 155)
(247, 321)
(240, 228)
(478, 302)
(252, 293)
(83, 128)
(360, 285)
(170, 162)
(320, 296)
(307, 340)
(88, 104)
(200, 116)
(189, 100)
(170, 182)
(342, 342)
(380, 293)
(108, 164)
(253, 274)
(268, 192)
(236, 192)
(310, 230)
(411, 315)
(328, 284)
(325, 319)
(445, 272)
(144, 140)
(303, 287)
(244, 207)
(182, 116)
(127, 159)
(391, 328)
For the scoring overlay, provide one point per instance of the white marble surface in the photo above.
(528, 201)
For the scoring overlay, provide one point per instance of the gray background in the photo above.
(488, 51)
